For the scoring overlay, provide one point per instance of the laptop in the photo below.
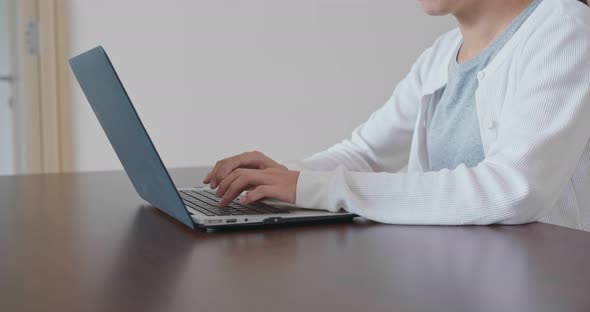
(195, 207)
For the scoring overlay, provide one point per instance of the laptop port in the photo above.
(231, 221)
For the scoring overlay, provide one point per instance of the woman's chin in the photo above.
(434, 7)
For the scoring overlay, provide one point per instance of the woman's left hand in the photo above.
(273, 183)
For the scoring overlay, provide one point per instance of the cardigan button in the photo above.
(481, 75)
(490, 124)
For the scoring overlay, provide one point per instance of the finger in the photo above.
(258, 193)
(225, 183)
(224, 168)
(270, 191)
(214, 176)
(253, 160)
(234, 190)
(207, 178)
(248, 179)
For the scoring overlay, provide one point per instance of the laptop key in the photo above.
(239, 207)
(202, 206)
(259, 210)
(247, 211)
(205, 212)
(208, 199)
(199, 209)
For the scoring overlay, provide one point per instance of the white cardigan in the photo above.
(533, 105)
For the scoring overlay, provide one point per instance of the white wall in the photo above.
(211, 78)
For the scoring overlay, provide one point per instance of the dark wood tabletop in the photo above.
(87, 242)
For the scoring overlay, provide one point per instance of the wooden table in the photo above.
(86, 242)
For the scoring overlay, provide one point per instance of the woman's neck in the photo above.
(482, 21)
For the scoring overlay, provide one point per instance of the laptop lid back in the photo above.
(125, 131)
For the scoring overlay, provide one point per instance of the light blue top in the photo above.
(453, 136)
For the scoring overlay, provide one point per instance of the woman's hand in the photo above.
(251, 160)
(277, 183)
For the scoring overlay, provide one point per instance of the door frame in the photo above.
(42, 123)
(26, 109)
(55, 85)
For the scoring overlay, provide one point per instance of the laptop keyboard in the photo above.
(206, 202)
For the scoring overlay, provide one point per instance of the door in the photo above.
(33, 91)
(20, 123)
(6, 93)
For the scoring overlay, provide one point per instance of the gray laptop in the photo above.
(194, 207)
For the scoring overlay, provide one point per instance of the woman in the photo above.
(491, 125)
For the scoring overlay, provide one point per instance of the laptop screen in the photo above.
(123, 128)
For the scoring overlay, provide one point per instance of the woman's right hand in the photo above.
(250, 160)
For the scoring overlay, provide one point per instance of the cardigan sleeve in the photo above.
(542, 132)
